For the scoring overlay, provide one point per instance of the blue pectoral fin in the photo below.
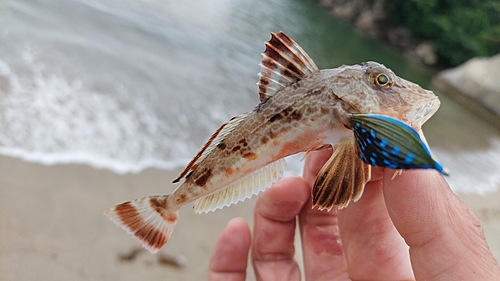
(387, 142)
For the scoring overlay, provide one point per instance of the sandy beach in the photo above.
(52, 226)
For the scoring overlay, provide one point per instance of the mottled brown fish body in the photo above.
(295, 120)
(301, 109)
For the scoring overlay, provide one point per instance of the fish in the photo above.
(368, 114)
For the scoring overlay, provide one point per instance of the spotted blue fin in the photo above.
(387, 142)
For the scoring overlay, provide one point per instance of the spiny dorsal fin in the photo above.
(284, 63)
(212, 143)
(342, 178)
(241, 189)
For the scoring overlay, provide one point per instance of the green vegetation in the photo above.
(459, 29)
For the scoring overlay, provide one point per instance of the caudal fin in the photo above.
(148, 219)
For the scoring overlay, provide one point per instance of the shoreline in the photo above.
(53, 228)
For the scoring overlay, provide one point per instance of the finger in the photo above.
(445, 238)
(314, 162)
(373, 248)
(321, 246)
(230, 254)
(274, 229)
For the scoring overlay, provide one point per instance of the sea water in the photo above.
(127, 85)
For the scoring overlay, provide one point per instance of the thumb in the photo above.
(445, 238)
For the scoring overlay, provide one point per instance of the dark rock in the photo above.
(367, 23)
(378, 9)
(370, 17)
(426, 53)
(399, 36)
(348, 10)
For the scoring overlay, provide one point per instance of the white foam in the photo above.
(47, 119)
(476, 171)
(92, 160)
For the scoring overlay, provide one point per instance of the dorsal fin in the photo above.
(241, 189)
(212, 143)
(284, 63)
(342, 178)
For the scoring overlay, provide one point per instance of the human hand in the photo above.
(412, 227)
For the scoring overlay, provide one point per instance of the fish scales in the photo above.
(293, 120)
(361, 110)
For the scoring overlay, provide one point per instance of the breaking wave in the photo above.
(46, 118)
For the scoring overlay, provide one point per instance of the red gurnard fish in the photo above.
(301, 109)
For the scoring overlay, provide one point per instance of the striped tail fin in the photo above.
(148, 219)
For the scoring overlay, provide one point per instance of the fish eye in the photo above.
(382, 80)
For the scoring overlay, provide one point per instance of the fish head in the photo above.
(370, 87)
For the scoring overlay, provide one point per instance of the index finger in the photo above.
(229, 257)
(274, 229)
(445, 238)
(321, 246)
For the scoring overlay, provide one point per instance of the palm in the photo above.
(371, 247)
(363, 241)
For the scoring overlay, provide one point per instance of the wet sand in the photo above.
(52, 226)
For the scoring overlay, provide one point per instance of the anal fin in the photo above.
(241, 189)
(341, 179)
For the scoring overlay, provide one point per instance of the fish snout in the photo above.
(423, 110)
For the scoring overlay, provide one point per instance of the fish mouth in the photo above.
(419, 115)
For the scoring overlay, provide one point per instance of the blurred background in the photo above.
(104, 101)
